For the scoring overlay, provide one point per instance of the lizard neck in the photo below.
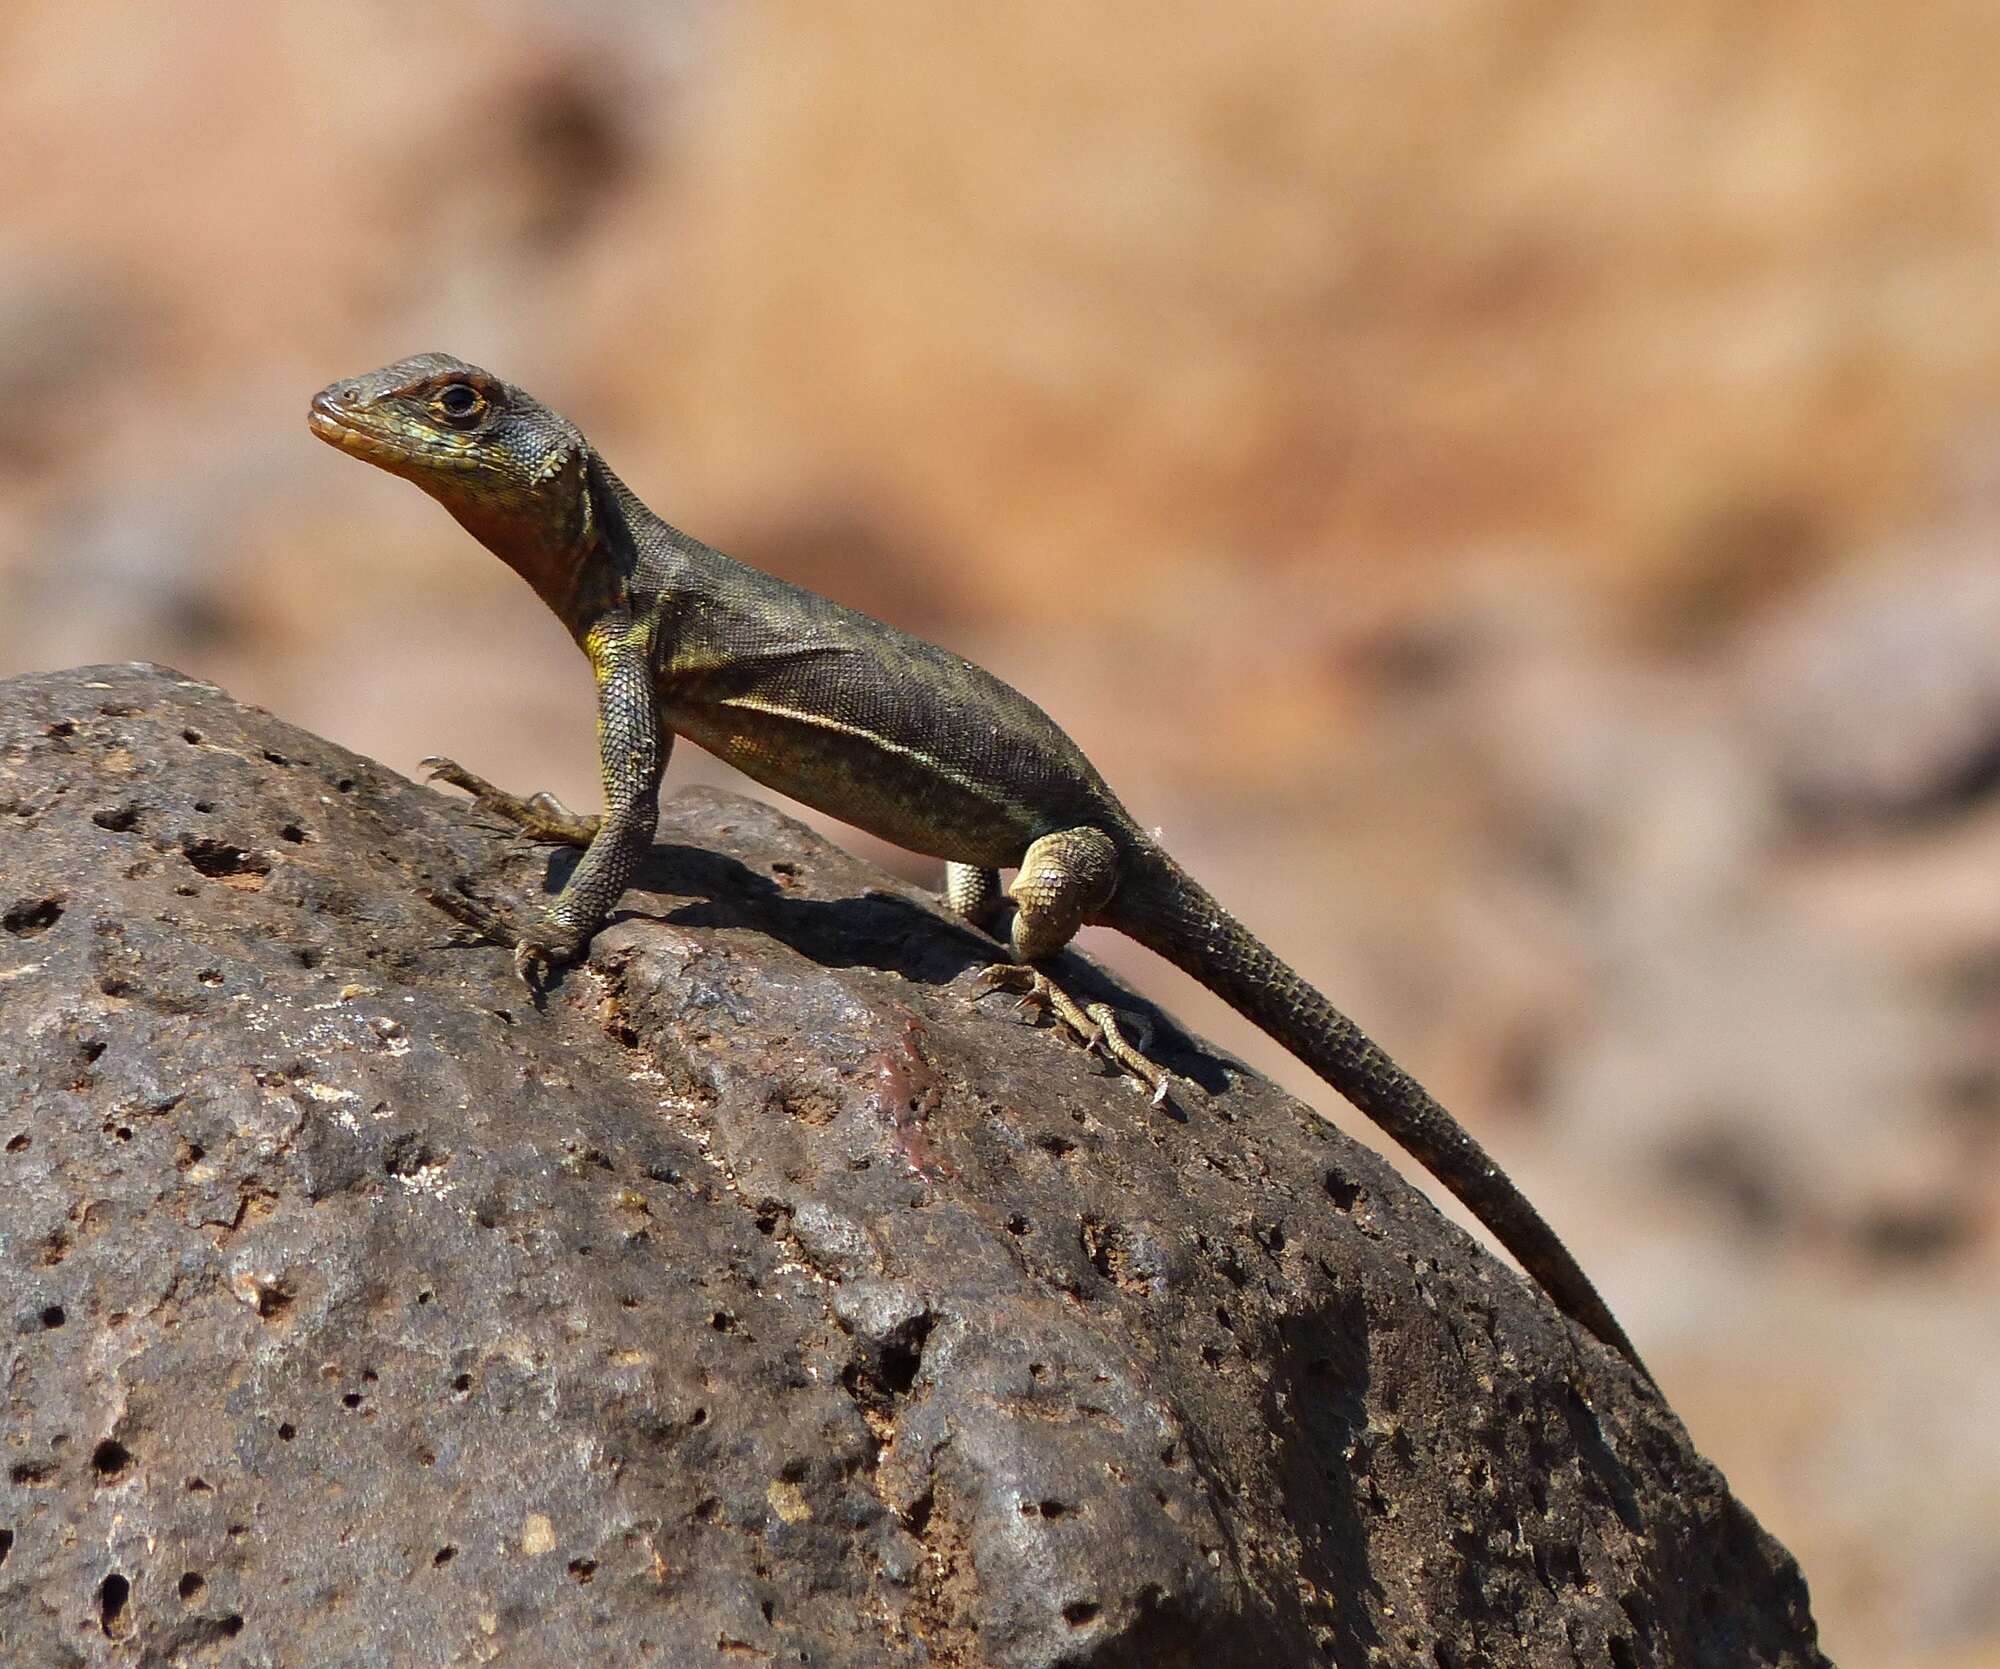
(556, 568)
(572, 556)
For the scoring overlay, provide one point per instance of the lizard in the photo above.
(888, 732)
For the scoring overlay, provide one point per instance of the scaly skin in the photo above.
(883, 730)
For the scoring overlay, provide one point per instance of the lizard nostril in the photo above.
(349, 395)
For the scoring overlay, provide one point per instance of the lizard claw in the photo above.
(437, 768)
(1096, 1027)
(1008, 976)
(483, 919)
(532, 964)
(1034, 987)
(537, 954)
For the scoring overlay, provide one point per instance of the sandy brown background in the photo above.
(1510, 487)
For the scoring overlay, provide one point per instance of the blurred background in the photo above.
(1510, 487)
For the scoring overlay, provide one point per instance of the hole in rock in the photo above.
(26, 918)
(111, 1597)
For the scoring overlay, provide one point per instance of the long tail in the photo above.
(1162, 907)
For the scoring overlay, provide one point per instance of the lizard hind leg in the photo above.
(1064, 879)
(539, 816)
(973, 894)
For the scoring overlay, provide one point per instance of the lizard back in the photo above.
(900, 737)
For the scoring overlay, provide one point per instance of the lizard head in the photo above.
(512, 471)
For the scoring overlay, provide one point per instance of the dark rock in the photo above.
(753, 1296)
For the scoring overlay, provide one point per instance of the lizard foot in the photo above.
(1095, 1025)
(483, 919)
(539, 816)
(538, 952)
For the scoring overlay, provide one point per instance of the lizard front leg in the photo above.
(632, 753)
(1064, 879)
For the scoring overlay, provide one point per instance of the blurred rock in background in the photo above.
(1512, 489)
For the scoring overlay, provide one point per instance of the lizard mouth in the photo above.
(323, 418)
(338, 428)
(401, 454)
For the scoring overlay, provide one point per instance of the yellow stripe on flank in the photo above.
(821, 721)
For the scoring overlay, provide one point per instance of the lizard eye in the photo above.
(460, 402)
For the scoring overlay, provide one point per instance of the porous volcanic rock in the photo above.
(752, 1296)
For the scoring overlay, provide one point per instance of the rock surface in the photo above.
(753, 1297)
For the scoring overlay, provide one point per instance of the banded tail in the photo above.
(1161, 906)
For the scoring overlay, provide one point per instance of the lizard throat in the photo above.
(552, 560)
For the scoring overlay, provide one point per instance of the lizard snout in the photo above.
(332, 408)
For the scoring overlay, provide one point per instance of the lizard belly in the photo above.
(892, 790)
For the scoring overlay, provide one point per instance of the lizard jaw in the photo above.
(326, 421)
(336, 427)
